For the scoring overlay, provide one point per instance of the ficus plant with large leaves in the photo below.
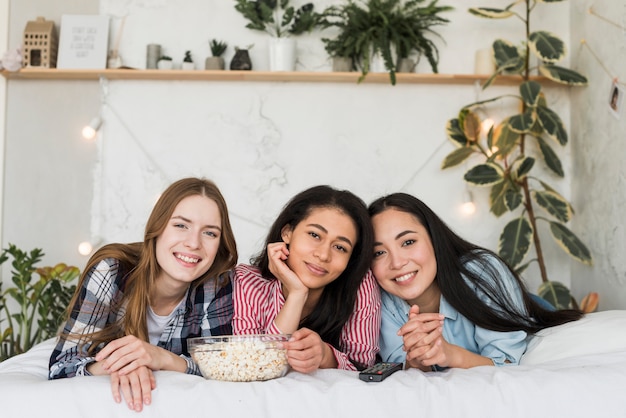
(508, 165)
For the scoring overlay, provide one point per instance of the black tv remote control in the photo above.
(379, 371)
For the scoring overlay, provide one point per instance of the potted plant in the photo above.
(188, 61)
(31, 310)
(281, 21)
(387, 29)
(511, 148)
(165, 62)
(215, 61)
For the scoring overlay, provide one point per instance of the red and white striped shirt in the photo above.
(257, 301)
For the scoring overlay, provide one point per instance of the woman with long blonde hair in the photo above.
(136, 304)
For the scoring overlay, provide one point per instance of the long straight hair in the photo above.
(452, 253)
(138, 262)
(338, 297)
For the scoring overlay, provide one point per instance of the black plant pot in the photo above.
(241, 61)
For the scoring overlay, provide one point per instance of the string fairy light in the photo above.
(607, 20)
(615, 79)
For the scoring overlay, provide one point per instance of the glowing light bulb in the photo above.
(487, 124)
(468, 207)
(90, 131)
(85, 248)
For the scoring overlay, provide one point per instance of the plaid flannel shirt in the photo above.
(207, 310)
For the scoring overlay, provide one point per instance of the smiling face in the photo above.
(320, 246)
(404, 259)
(186, 248)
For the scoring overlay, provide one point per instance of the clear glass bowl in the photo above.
(240, 358)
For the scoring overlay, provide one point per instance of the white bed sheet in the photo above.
(583, 384)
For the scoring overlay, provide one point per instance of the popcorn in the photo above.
(242, 359)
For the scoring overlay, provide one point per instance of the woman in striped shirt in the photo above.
(312, 281)
(136, 304)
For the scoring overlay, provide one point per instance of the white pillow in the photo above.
(596, 333)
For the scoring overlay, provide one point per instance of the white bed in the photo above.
(575, 370)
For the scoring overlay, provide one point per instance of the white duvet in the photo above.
(575, 370)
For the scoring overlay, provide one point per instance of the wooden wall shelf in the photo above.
(265, 76)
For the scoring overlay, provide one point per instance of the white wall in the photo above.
(47, 168)
(599, 146)
(4, 41)
(261, 142)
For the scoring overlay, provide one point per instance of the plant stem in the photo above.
(528, 202)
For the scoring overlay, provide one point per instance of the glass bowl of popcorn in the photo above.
(240, 358)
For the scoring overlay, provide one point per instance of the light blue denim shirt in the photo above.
(457, 329)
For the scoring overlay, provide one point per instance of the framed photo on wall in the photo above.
(83, 42)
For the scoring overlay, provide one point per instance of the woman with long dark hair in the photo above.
(447, 302)
(312, 280)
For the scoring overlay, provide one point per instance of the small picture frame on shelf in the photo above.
(83, 43)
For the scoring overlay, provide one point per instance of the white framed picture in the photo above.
(83, 42)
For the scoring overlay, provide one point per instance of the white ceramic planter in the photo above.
(165, 64)
(282, 54)
(188, 66)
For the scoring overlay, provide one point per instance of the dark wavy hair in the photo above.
(452, 254)
(339, 297)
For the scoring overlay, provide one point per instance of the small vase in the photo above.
(241, 61)
(188, 66)
(282, 54)
(342, 64)
(164, 64)
(214, 63)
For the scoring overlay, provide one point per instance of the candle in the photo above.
(483, 62)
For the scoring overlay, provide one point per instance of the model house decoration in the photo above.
(40, 44)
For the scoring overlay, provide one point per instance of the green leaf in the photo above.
(490, 13)
(530, 91)
(554, 204)
(523, 122)
(507, 56)
(484, 174)
(552, 124)
(497, 198)
(547, 46)
(505, 138)
(456, 157)
(515, 241)
(556, 293)
(521, 167)
(562, 75)
(570, 243)
(455, 133)
(550, 189)
(513, 198)
(471, 126)
(551, 159)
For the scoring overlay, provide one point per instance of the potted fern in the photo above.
(282, 22)
(31, 310)
(510, 152)
(215, 61)
(385, 31)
